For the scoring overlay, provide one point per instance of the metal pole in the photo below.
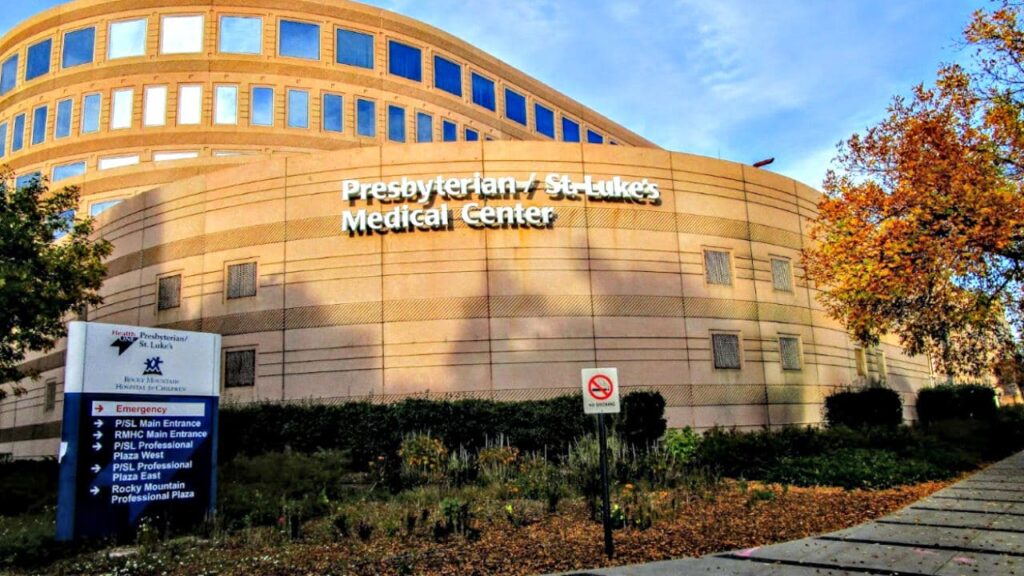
(609, 546)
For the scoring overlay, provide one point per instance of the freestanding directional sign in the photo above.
(139, 437)
(600, 397)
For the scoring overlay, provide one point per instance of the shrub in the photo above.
(682, 444)
(642, 421)
(863, 408)
(956, 402)
(28, 486)
(423, 459)
(855, 468)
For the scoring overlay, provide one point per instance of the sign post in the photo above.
(600, 397)
(139, 437)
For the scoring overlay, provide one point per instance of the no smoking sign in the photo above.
(600, 390)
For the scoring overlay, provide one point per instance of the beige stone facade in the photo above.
(500, 312)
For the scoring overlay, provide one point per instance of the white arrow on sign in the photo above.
(96, 447)
(94, 491)
(95, 468)
(98, 423)
(98, 435)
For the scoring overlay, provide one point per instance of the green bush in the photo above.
(866, 407)
(956, 402)
(681, 443)
(28, 486)
(642, 421)
(854, 468)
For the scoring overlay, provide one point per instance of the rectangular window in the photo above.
(298, 109)
(333, 115)
(18, 138)
(880, 365)
(127, 39)
(544, 120)
(68, 171)
(366, 118)
(447, 76)
(242, 280)
(449, 131)
(39, 117)
(168, 292)
(424, 127)
(594, 137)
(405, 61)
(241, 34)
(472, 135)
(101, 207)
(190, 105)
(117, 162)
(181, 34)
(570, 130)
(154, 109)
(171, 156)
(31, 179)
(50, 396)
(121, 108)
(782, 275)
(299, 40)
(239, 368)
(9, 74)
(38, 61)
(262, 106)
(717, 267)
(789, 352)
(225, 105)
(726, 351)
(62, 129)
(483, 91)
(353, 48)
(91, 104)
(515, 106)
(396, 124)
(860, 360)
(78, 47)
(3, 139)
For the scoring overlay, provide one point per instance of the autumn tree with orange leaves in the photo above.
(921, 232)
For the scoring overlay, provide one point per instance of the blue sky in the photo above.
(737, 79)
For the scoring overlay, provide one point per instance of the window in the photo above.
(181, 34)
(483, 91)
(515, 106)
(471, 135)
(880, 365)
(3, 139)
(299, 40)
(424, 127)
(78, 47)
(18, 138)
(353, 48)
(154, 109)
(127, 39)
(170, 156)
(861, 361)
(594, 137)
(38, 61)
(62, 129)
(449, 131)
(121, 108)
(190, 105)
(241, 34)
(789, 352)
(39, 116)
(447, 76)
(262, 106)
(168, 292)
(28, 180)
(570, 130)
(405, 61)
(242, 280)
(298, 109)
(396, 123)
(91, 113)
(544, 120)
(726, 351)
(67, 217)
(9, 74)
(717, 268)
(117, 162)
(65, 171)
(101, 207)
(225, 105)
(50, 396)
(239, 368)
(782, 276)
(366, 118)
(333, 116)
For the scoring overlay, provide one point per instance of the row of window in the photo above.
(718, 270)
(183, 34)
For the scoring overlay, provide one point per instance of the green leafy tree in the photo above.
(49, 267)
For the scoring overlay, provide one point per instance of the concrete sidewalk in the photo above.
(974, 527)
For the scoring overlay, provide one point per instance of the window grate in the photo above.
(50, 398)
(716, 267)
(789, 351)
(726, 349)
(239, 368)
(168, 292)
(782, 275)
(242, 280)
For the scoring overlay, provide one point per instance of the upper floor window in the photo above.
(225, 106)
(168, 292)
(447, 76)
(91, 104)
(78, 47)
(449, 131)
(121, 108)
(32, 179)
(483, 91)
(299, 40)
(62, 126)
(100, 207)
(333, 116)
(3, 139)
(718, 267)
(39, 116)
(405, 61)
(396, 123)
(472, 135)
(241, 34)
(594, 137)
(353, 48)
(190, 105)
(725, 349)
(782, 275)
(424, 127)
(18, 133)
(50, 397)
(38, 61)
(366, 118)
(242, 280)
(298, 109)
(127, 39)
(262, 106)
(9, 74)
(65, 171)
(515, 106)
(154, 108)
(239, 368)
(112, 162)
(181, 34)
(789, 352)
(570, 130)
(544, 120)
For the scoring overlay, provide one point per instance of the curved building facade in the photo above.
(367, 207)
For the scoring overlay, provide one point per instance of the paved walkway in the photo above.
(974, 527)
